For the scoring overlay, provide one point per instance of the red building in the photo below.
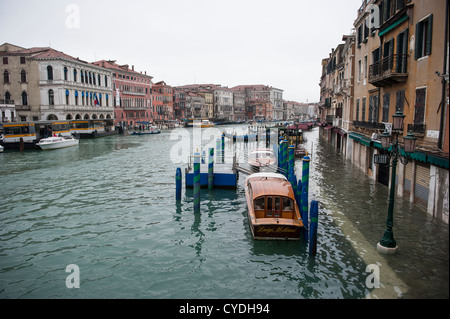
(162, 102)
(132, 94)
(179, 104)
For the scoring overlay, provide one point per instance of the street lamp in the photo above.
(387, 244)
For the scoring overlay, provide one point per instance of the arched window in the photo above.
(82, 76)
(106, 81)
(68, 117)
(74, 75)
(90, 78)
(23, 76)
(51, 97)
(99, 80)
(78, 117)
(93, 76)
(7, 97)
(24, 98)
(49, 72)
(86, 117)
(76, 97)
(67, 97)
(65, 74)
(6, 76)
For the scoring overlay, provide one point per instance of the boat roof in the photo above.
(267, 184)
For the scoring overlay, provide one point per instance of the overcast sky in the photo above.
(278, 43)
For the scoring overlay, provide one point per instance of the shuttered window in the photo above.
(386, 98)
(400, 101)
(419, 108)
(424, 34)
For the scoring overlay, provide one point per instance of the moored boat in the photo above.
(261, 157)
(56, 142)
(151, 130)
(272, 210)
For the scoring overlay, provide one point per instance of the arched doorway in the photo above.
(52, 117)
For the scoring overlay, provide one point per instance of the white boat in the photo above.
(55, 142)
(1, 148)
(261, 157)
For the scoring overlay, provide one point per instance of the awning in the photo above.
(328, 127)
(393, 25)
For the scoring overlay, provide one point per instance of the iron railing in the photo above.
(392, 64)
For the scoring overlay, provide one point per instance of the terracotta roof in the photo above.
(49, 53)
(111, 64)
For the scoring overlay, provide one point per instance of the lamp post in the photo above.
(387, 244)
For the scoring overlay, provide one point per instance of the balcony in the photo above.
(389, 70)
(417, 129)
(369, 125)
(7, 102)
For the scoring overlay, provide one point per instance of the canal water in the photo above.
(109, 208)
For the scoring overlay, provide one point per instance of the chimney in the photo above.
(132, 67)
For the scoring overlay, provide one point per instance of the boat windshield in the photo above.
(273, 207)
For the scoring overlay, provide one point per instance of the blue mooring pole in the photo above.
(305, 190)
(305, 211)
(314, 215)
(196, 182)
(291, 160)
(178, 183)
(211, 169)
(218, 148)
(223, 147)
(285, 157)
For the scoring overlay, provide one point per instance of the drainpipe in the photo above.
(444, 72)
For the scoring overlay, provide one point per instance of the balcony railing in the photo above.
(10, 102)
(417, 129)
(390, 69)
(369, 125)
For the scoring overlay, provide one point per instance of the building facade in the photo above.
(401, 64)
(163, 108)
(47, 84)
(132, 91)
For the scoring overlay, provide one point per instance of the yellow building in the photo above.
(401, 64)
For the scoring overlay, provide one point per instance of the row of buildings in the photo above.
(395, 59)
(42, 83)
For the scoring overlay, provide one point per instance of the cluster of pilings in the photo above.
(286, 166)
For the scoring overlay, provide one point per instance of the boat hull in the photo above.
(288, 225)
(276, 232)
(58, 145)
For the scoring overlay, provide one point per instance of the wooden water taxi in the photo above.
(272, 210)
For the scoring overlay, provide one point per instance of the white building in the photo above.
(73, 89)
(223, 103)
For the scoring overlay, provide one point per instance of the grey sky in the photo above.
(279, 43)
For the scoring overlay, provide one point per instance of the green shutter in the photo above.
(429, 34)
(417, 42)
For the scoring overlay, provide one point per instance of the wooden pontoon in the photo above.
(272, 210)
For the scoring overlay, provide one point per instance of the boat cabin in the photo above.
(273, 207)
